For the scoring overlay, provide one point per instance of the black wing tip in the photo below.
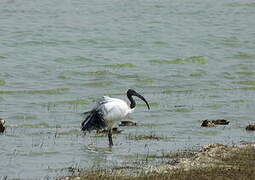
(93, 121)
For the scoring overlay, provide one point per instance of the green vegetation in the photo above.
(2, 82)
(192, 60)
(245, 82)
(47, 91)
(126, 65)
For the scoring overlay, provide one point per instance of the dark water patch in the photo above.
(47, 91)
(199, 60)
(126, 65)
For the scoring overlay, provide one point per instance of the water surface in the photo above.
(192, 60)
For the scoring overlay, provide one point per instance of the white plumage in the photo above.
(115, 110)
(108, 112)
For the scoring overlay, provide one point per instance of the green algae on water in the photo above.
(68, 102)
(39, 125)
(47, 91)
(69, 132)
(98, 83)
(73, 59)
(192, 60)
(2, 82)
(126, 65)
(177, 91)
(242, 55)
(183, 110)
(100, 72)
(23, 117)
(251, 83)
(246, 73)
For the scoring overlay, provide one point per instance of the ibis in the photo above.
(108, 112)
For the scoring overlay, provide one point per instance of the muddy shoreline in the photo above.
(213, 161)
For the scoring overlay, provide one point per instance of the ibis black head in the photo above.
(131, 93)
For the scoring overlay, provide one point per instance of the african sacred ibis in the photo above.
(108, 112)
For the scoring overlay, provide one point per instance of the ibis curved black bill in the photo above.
(131, 93)
(142, 98)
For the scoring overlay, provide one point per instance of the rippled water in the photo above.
(192, 60)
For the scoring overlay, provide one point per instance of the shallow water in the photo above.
(192, 60)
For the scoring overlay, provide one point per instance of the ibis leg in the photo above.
(110, 137)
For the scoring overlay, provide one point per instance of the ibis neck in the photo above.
(132, 101)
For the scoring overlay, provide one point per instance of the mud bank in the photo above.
(214, 161)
